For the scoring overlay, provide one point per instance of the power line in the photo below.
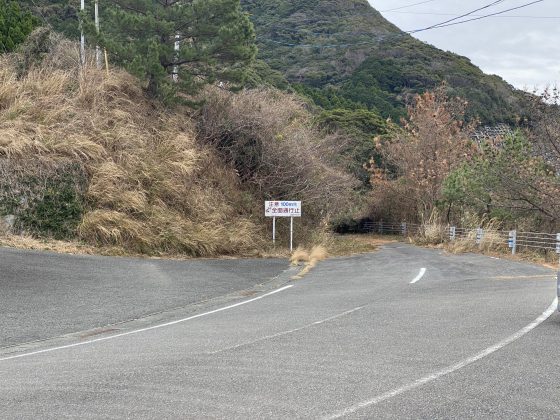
(441, 25)
(499, 16)
(381, 38)
(407, 6)
(494, 3)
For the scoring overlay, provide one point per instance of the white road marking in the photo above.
(419, 276)
(450, 369)
(153, 327)
(268, 337)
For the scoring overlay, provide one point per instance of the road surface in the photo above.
(402, 333)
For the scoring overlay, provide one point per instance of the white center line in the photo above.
(419, 276)
(153, 327)
(450, 369)
(268, 337)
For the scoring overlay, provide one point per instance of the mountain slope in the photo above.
(344, 50)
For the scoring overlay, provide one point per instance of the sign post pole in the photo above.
(291, 234)
(274, 231)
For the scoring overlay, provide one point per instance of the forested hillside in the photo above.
(344, 54)
(173, 147)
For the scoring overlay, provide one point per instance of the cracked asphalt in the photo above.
(353, 338)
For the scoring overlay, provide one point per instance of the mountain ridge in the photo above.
(346, 48)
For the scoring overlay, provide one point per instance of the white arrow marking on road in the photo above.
(167, 324)
(419, 276)
(450, 369)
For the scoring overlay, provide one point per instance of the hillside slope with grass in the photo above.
(344, 54)
(87, 155)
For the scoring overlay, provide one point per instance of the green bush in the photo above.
(46, 199)
(15, 25)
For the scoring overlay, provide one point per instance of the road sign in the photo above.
(289, 209)
(282, 208)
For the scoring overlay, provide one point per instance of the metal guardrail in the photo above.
(512, 238)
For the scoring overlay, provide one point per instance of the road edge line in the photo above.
(450, 369)
(140, 330)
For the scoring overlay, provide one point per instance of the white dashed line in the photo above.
(419, 276)
(268, 337)
(450, 369)
(154, 327)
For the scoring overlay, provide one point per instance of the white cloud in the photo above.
(524, 51)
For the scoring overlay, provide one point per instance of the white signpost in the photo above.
(289, 209)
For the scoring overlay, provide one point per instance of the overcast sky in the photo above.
(522, 46)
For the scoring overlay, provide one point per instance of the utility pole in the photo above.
(82, 37)
(177, 49)
(97, 49)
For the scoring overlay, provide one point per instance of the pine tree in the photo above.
(215, 38)
(15, 25)
(60, 15)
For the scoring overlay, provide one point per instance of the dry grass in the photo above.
(300, 255)
(431, 231)
(310, 259)
(152, 188)
(492, 240)
(63, 247)
(343, 245)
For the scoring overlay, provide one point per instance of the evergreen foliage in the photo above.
(15, 25)
(506, 182)
(216, 42)
(361, 126)
(60, 15)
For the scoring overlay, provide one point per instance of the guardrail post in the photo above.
(403, 228)
(381, 226)
(512, 241)
(452, 233)
(558, 243)
(479, 235)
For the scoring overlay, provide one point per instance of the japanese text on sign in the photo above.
(282, 208)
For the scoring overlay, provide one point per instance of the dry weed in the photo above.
(317, 253)
(152, 188)
(31, 243)
(270, 139)
(492, 239)
(431, 231)
(300, 255)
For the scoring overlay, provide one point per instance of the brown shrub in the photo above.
(270, 139)
(418, 157)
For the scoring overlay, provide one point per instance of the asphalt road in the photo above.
(353, 339)
(45, 294)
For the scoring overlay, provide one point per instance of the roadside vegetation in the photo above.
(433, 166)
(434, 174)
(91, 156)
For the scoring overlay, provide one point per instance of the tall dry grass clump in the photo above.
(151, 187)
(432, 231)
(492, 239)
(309, 258)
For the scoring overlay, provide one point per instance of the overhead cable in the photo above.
(442, 25)
(494, 3)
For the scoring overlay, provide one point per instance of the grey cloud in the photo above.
(523, 51)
